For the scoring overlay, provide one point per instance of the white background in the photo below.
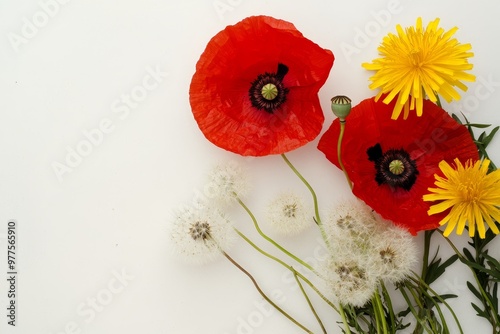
(64, 74)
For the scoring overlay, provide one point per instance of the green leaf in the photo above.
(494, 297)
(474, 290)
(480, 244)
(477, 266)
(404, 313)
(489, 137)
(480, 312)
(436, 269)
(456, 118)
(494, 267)
(479, 126)
(468, 254)
(466, 120)
(448, 296)
(480, 139)
(492, 262)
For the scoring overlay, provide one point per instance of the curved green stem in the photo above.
(265, 296)
(302, 277)
(309, 301)
(269, 239)
(317, 217)
(339, 151)
(313, 193)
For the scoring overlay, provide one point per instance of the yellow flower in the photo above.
(471, 194)
(420, 62)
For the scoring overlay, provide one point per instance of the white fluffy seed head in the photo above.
(351, 225)
(395, 254)
(226, 181)
(349, 280)
(287, 214)
(377, 250)
(200, 235)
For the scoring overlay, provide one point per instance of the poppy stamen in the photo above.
(394, 167)
(267, 92)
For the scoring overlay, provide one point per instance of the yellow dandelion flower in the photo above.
(471, 194)
(420, 62)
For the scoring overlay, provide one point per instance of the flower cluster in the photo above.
(364, 251)
(255, 93)
(374, 146)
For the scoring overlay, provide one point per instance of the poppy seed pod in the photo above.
(341, 106)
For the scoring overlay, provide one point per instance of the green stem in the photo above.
(378, 310)
(313, 193)
(357, 317)
(265, 296)
(309, 301)
(265, 236)
(425, 259)
(419, 282)
(486, 300)
(302, 277)
(344, 319)
(388, 301)
(317, 218)
(425, 265)
(339, 151)
(416, 314)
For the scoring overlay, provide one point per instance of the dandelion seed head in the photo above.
(227, 181)
(395, 254)
(200, 235)
(349, 280)
(287, 214)
(350, 225)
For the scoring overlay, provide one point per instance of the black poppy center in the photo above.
(394, 167)
(267, 92)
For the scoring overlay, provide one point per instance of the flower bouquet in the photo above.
(411, 166)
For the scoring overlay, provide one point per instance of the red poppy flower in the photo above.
(392, 162)
(255, 90)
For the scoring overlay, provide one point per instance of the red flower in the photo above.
(392, 162)
(255, 87)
